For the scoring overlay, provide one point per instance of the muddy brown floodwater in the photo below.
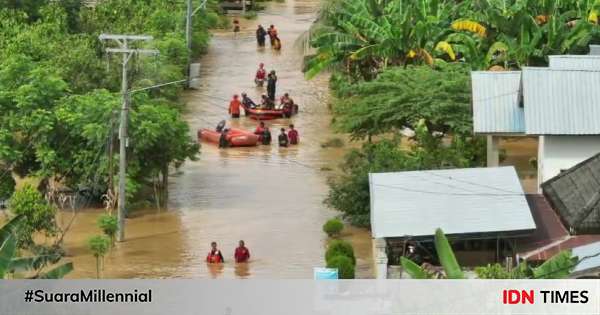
(270, 197)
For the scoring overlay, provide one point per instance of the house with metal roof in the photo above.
(483, 210)
(558, 104)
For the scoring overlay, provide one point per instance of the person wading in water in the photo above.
(271, 85)
(242, 254)
(260, 35)
(214, 256)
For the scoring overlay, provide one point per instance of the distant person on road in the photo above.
(271, 85)
(242, 254)
(266, 138)
(260, 35)
(293, 135)
(234, 107)
(283, 139)
(214, 256)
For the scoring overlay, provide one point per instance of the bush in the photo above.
(495, 271)
(7, 184)
(344, 265)
(333, 227)
(109, 225)
(38, 213)
(337, 248)
(99, 246)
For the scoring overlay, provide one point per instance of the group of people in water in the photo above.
(285, 138)
(261, 35)
(241, 254)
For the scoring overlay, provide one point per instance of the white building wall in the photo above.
(558, 153)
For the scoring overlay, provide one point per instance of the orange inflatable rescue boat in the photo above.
(235, 137)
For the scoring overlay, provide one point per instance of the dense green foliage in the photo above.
(7, 184)
(366, 36)
(344, 265)
(37, 214)
(109, 225)
(399, 98)
(11, 264)
(333, 227)
(340, 248)
(59, 90)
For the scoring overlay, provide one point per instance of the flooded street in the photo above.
(270, 197)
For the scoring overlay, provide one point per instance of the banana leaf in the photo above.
(446, 256)
(412, 269)
(58, 272)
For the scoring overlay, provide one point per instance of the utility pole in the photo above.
(123, 42)
(190, 12)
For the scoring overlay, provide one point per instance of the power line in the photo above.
(445, 193)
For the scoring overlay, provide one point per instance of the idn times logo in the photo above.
(512, 296)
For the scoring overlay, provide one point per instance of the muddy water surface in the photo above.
(270, 197)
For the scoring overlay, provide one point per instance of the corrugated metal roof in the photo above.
(561, 102)
(594, 49)
(574, 62)
(496, 102)
(460, 201)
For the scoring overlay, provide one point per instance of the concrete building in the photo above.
(558, 104)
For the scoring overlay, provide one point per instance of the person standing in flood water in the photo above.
(234, 107)
(260, 35)
(242, 254)
(214, 256)
(271, 85)
(283, 138)
(272, 34)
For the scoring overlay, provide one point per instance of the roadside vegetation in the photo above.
(59, 92)
(60, 100)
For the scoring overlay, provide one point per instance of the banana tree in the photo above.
(11, 264)
(446, 256)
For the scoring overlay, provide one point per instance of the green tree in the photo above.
(109, 225)
(401, 97)
(38, 215)
(7, 184)
(99, 245)
(340, 248)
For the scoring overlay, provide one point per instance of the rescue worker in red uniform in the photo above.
(214, 256)
(234, 107)
(293, 135)
(261, 75)
(242, 254)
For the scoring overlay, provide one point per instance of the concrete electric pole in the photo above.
(123, 42)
